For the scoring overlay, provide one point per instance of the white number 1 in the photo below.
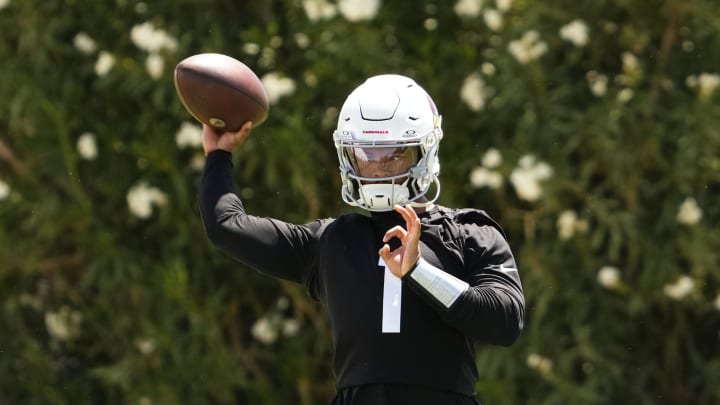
(392, 298)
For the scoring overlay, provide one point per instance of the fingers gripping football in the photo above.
(404, 258)
(214, 139)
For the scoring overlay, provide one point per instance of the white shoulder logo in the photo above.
(504, 269)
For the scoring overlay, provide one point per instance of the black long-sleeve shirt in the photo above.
(337, 260)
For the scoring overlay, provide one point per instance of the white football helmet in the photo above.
(387, 141)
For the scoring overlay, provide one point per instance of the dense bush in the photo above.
(590, 130)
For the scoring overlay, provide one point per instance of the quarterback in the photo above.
(410, 286)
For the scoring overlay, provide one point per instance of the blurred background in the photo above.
(589, 129)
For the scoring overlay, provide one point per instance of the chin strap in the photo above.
(426, 202)
(384, 196)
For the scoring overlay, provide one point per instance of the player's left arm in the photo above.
(486, 303)
(492, 307)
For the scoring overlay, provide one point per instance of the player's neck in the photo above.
(424, 208)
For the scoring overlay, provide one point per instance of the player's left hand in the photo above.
(404, 258)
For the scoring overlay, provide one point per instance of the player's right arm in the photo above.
(271, 246)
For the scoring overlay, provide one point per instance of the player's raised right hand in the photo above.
(229, 141)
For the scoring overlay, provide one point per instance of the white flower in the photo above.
(276, 41)
(264, 330)
(468, 8)
(568, 223)
(597, 82)
(482, 177)
(359, 10)
(4, 3)
(141, 198)
(197, 163)
(575, 32)
(267, 57)
(64, 324)
(154, 64)
(146, 37)
(527, 161)
(189, 136)
(625, 95)
(488, 69)
(689, 212)
(277, 86)
(104, 63)
(540, 363)
(706, 83)
(630, 62)
(473, 92)
(290, 327)
(282, 303)
(492, 158)
(599, 86)
(528, 48)
(680, 289)
(493, 19)
(319, 9)
(430, 24)
(503, 5)
(251, 48)
(86, 146)
(84, 43)
(717, 302)
(527, 175)
(302, 40)
(609, 277)
(538, 169)
(4, 190)
(145, 346)
(631, 71)
(526, 186)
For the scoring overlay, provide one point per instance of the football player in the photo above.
(411, 286)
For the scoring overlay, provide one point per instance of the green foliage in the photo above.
(102, 304)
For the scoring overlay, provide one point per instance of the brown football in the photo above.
(221, 91)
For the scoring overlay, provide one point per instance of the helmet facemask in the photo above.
(377, 177)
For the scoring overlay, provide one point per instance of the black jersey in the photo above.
(403, 337)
